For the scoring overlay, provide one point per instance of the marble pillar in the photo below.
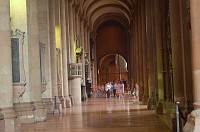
(71, 38)
(74, 83)
(68, 31)
(44, 37)
(193, 119)
(177, 51)
(83, 56)
(95, 72)
(132, 55)
(54, 84)
(34, 62)
(64, 55)
(71, 30)
(140, 53)
(144, 53)
(150, 53)
(61, 101)
(89, 53)
(84, 49)
(140, 70)
(8, 118)
(135, 64)
(185, 6)
(159, 52)
(137, 48)
(68, 35)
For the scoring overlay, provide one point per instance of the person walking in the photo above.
(108, 89)
(137, 90)
(114, 88)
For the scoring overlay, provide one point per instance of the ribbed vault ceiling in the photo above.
(118, 10)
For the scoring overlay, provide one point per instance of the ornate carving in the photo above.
(19, 84)
(18, 91)
(43, 87)
(42, 66)
(59, 78)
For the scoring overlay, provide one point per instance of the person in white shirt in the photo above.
(108, 89)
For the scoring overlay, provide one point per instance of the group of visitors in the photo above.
(115, 89)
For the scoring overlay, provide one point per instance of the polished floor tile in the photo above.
(102, 115)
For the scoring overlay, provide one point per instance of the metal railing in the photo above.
(179, 117)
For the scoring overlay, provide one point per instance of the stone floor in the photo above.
(102, 115)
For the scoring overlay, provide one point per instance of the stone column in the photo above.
(61, 101)
(89, 53)
(34, 61)
(53, 55)
(193, 120)
(71, 30)
(140, 52)
(150, 52)
(71, 38)
(159, 52)
(64, 55)
(44, 37)
(137, 47)
(185, 5)
(164, 52)
(95, 61)
(68, 31)
(144, 53)
(177, 49)
(135, 63)
(132, 55)
(83, 55)
(75, 83)
(8, 118)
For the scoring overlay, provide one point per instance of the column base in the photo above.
(25, 111)
(168, 107)
(150, 103)
(193, 122)
(57, 105)
(68, 102)
(169, 112)
(10, 123)
(159, 107)
(49, 105)
(62, 101)
(40, 111)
